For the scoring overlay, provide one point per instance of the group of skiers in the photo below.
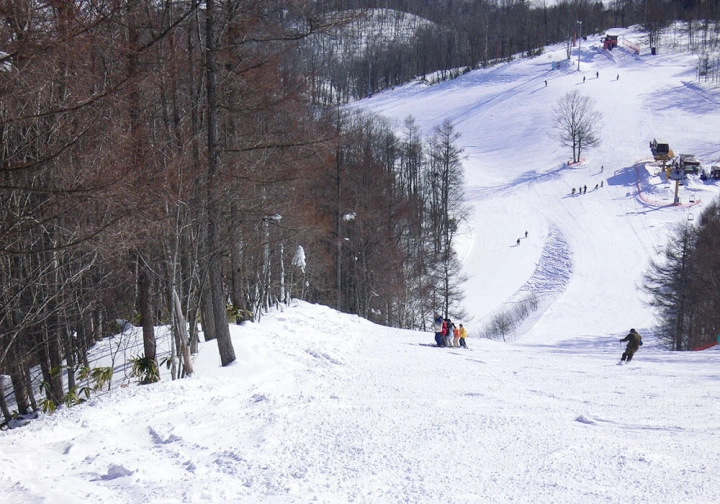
(583, 188)
(447, 334)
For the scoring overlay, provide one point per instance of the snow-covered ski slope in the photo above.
(517, 179)
(328, 408)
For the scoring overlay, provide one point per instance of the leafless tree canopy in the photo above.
(577, 123)
(165, 164)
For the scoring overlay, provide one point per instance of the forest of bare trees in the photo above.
(164, 163)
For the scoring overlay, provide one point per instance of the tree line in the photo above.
(164, 163)
(683, 284)
(433, 40)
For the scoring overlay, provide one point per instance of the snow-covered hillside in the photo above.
(518, 179)
(329, 408)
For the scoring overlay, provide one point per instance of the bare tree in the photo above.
(577, 123)
(222, 332)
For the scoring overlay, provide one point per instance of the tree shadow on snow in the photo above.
(690, 98)
(527, 178)
(623, 177)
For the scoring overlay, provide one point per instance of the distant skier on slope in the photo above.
(634, 342)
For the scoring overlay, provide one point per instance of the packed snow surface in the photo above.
(325, 407)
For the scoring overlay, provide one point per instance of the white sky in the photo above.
(329, 408)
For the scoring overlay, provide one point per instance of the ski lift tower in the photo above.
(661, 151)
(676, 173)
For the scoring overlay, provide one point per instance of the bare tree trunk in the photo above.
(145, 307)
(69, 357)
(184, 350)
(236, 277)
(3, 404)
(18, 384)
(84, 341)
(54, 360)
(206, 312)
(338, 216)
(193, 333)
(29, 386)
(284, 298)
(97, 325)
(217, 293)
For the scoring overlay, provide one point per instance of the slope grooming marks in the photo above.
(554, 269)
(547, 282)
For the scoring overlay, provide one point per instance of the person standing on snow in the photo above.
(456, 337)
(463, 334)
(438, 326)
(448, 332)
(634, 342)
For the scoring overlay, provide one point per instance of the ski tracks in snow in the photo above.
(552, 273)
(554, 268)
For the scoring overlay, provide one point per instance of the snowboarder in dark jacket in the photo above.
(634, 341)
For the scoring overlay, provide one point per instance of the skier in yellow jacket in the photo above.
(462, 335)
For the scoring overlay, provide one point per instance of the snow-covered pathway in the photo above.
(402, 421)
